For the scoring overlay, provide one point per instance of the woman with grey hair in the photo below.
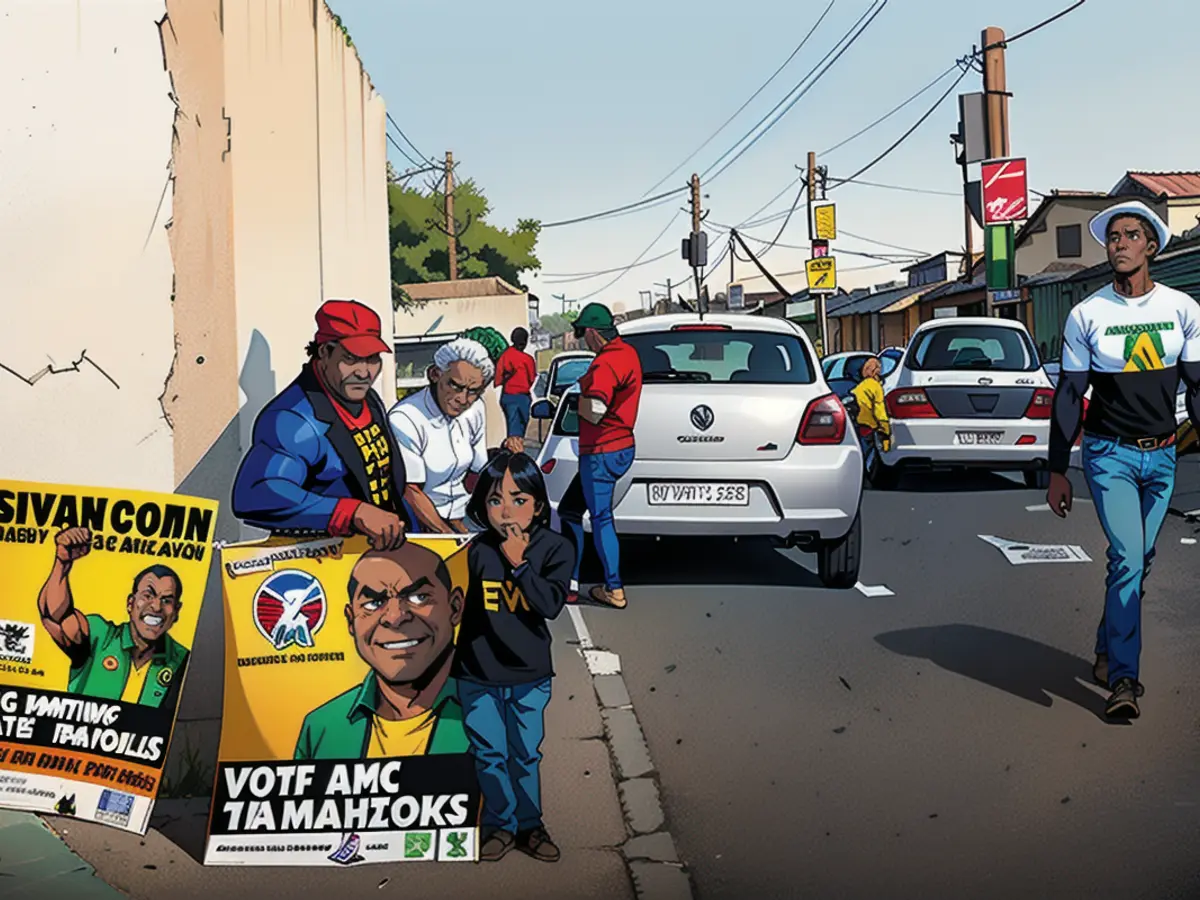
(441, 433)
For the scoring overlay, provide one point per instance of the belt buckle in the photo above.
(1147, 444)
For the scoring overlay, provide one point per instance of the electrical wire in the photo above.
(899, 187)
(609, 212)
(402, 151)
(868, 240)
(753, 96)
(625, 271)
(570, 277)
(1029, 31)
(895, 109)
(400, 132)
(786, 220)
(845, 43)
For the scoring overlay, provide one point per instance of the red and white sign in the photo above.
(1005, 191)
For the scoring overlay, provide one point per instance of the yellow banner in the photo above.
(100, 594)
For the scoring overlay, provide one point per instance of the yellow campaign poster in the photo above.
(100, 593)
(342, 738)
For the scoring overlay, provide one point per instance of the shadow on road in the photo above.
(954, 482)
(704, 562)
(1022, 667)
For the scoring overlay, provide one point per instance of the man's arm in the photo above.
(503, 369)
(596, 390)
(269, 490)
(66, 625)
(1066, 419)
(879, 410)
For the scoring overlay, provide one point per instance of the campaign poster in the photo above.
(342, 738)
(100, 593)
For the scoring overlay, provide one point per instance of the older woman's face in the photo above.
(456, 387)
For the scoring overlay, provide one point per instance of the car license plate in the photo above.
(978, 437)
(698, 494)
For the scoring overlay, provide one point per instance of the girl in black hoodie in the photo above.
(520, 573)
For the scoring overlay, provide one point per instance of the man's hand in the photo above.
(384, 529)
(1058, 495)
(885, 443)
(72, 543)
(516, 541)
(514, 445)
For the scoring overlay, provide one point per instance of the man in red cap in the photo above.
(323, 459)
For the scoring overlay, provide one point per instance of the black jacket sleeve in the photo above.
(1190, 373)
(546, 583)
(1066, 420)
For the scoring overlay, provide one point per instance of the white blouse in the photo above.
(439, 451)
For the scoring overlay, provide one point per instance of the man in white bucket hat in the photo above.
(1131, 342)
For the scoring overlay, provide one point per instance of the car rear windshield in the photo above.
(570, 371)
(723, 356)
(974, 347)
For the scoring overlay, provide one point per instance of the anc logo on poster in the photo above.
(1143, 345)
(289, 608)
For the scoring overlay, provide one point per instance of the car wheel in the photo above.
(883, 476)
(838, 561)
(1037, 479)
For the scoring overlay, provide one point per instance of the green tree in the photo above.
(419, 240)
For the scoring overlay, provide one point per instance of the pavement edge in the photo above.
(650, 854)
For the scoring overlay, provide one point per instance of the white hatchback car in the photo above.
(738, 435)
(969, 392)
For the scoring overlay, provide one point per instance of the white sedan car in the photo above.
(969, 392)
(738, 435)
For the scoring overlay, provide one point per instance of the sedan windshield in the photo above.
(724, 356)
(951, 347)
(570, 371)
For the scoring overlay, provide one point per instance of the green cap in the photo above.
(594, 315)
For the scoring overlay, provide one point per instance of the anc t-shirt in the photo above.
(1131, 347)
(615, 379)
(107, 667)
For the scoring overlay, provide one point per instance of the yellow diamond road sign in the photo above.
(824, 222)
(822, 274)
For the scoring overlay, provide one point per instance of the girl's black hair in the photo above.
(525, 475)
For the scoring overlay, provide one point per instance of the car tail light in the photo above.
(1025, 440)
(824, 422)
(700, 328)
(910, 403)
(548, 465)
(1041, 404)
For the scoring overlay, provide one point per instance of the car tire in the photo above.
(884, 477)
(838, 561)
(1037, 479)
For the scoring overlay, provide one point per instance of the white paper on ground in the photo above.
(1019, 554)
(874, 590)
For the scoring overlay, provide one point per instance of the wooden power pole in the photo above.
(451, 228)
(995, 89)
(696, 215)
(819, 308)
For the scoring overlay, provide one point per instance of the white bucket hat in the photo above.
(1099, 224)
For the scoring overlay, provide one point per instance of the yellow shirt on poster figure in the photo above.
(406, 737)
(134, 683)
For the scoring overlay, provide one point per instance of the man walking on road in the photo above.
(515, 374)
(872, 411)
(1131, 342)
(609, 393)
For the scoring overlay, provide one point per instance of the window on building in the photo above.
(1070, 241)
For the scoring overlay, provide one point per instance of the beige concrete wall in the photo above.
(1041, 249)
(1182, 216)
(84, 259)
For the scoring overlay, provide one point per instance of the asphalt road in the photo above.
(943, 742)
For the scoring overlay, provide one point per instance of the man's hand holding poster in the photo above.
(342, 740)
(100, 593)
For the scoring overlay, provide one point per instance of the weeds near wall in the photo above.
(337, 20)
(195, 777)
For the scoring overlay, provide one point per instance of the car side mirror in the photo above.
(542, 409)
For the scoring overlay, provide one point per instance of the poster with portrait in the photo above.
(342, 740)
(100, 593)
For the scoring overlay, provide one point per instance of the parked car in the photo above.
(738, 435)
(849, 364)
(969, 392)
(564, 370)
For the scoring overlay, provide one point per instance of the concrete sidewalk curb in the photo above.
(36, 863)
(650, 852)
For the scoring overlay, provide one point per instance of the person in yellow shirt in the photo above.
(872, 411)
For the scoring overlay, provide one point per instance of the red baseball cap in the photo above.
(351, 324)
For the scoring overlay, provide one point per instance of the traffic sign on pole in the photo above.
(1005, 191)
(822, 275)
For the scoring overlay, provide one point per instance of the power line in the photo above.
(788, 218)
(403, 152)
(887, 115)
(753, 96)
(400, 132)
(882, 243)
(844, 43)
(618, 209)
(568, 277)
(625, 271)
(884, 256)
(899, 187)
(1029, 31)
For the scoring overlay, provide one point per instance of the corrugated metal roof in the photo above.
(912, 299)
(1180, 270)
(1173, 184)
(953, 288)
(878, 301)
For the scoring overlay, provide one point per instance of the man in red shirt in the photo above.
(609, 393)
(515, 374)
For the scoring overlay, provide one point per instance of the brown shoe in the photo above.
(496, 846)
(537, 844)
(1100, 674)
(1123, 702)
(602, 595)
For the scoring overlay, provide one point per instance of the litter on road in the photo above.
(1187, 540)
(1020, 554)
(874, 590)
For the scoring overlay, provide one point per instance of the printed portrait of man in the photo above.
(402, 610)
(136, 661)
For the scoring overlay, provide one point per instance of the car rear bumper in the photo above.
(935, 442)
(812, 494)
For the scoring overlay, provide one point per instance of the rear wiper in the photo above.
(979, 363)
(675, 375)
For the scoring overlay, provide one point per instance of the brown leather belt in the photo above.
(1149, 443)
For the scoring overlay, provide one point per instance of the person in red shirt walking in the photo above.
(515, 373)
(609, 393)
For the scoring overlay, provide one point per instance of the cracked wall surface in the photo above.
(85, 269)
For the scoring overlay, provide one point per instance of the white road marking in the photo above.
(602, 662)
(1187, 540)
(1045, 507)
(874, 590)
(581, 629)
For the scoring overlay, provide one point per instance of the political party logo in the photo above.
(418, 845)
(114, 808)
(289, 608)
(16, 642)
(347, 853)
(457, 845)
(65, 805)
(1143, 345)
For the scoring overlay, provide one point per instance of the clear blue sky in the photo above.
(560, 109)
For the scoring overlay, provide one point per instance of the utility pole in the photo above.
(451, 235)
(818, 299)
(995, 89)
(695, 237)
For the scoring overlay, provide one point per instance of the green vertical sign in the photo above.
(1000, 258)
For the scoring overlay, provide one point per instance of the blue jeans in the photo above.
(516, 413)
(505, 726)
(1132, 490)
(868, 449)
(592, 489)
